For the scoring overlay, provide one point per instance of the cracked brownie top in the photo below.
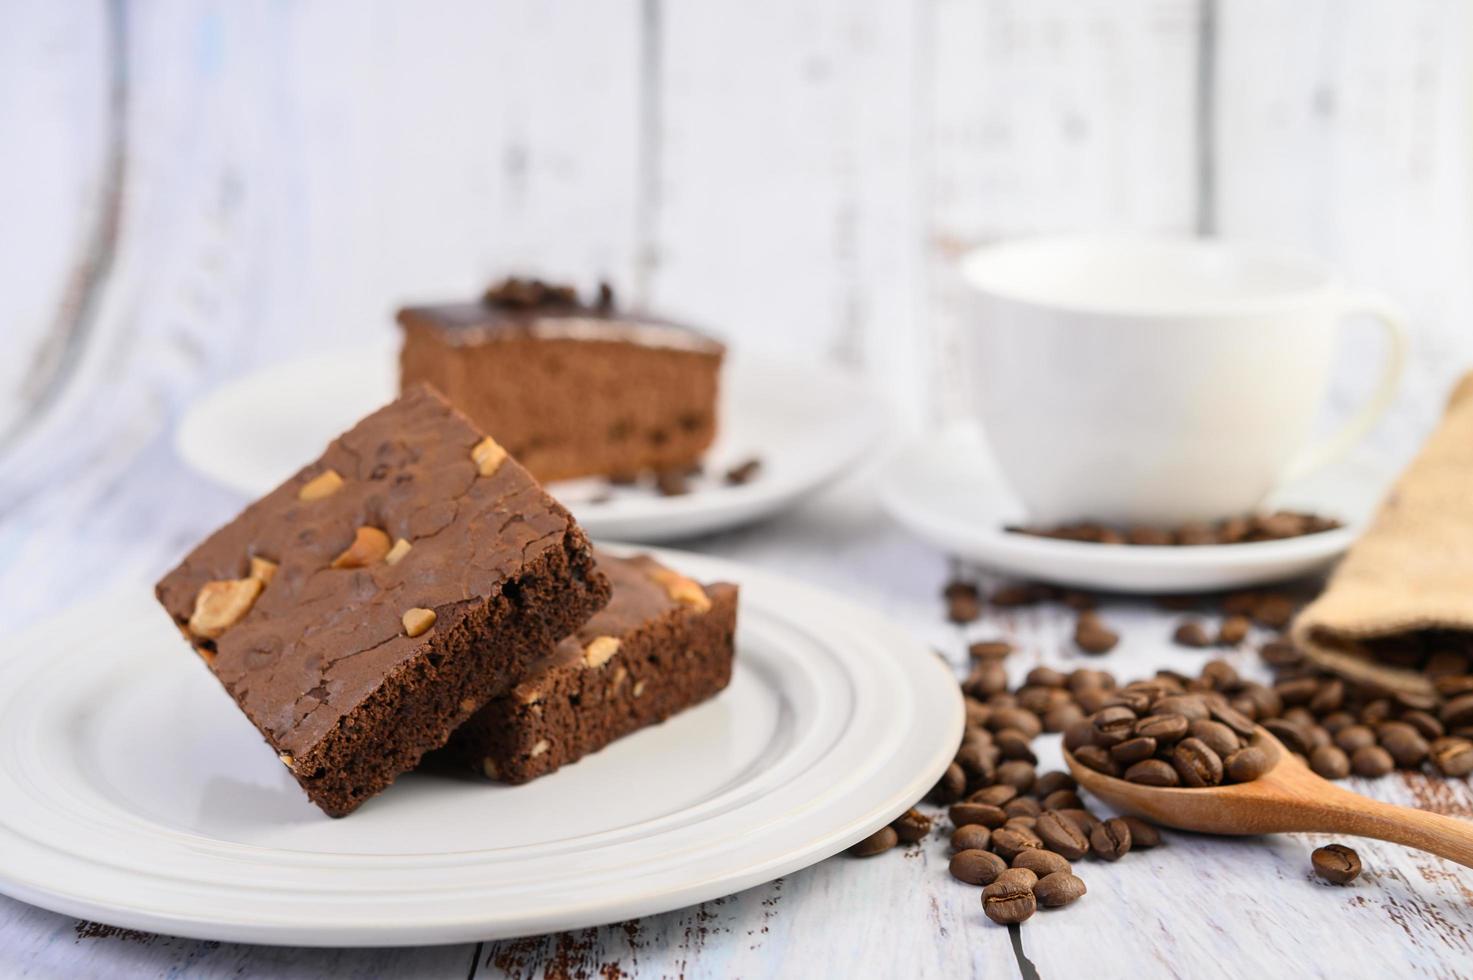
(304, 603)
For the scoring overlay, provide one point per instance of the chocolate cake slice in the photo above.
(569, 389)
(663, 644)
(373, 602)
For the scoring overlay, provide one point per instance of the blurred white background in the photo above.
(193, 189)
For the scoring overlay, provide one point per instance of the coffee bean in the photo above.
(1304, 718)
(1288, 733)
(1352, 737)
(1266, 701)
(976, 867)
(977, 759)
(1191, 633)
(1240, 724)
(1008, 841)
(1058, 889)
(1217, 737)
(1336, 863)
(1013, 744)
(1133, 750)
(1008, 902)
(1452, 756)
(1234, 630)
(1088, 679)
(971, 837)
(1079, 734)
(1273, 611)
(1060, 717)
(1061, 834)
(990, 649)
(995, 795)
(1113, 725)
(1111, 839)
(1375, 712)
(1337, 721)
(1023, 806)
(1328, 698)
(985, 814)
(1017, 773)
(1021, 823)
(1246, 764)
(1018, 874)
(1457, 712)
(963, 604)
(1220, 675)
(1096, 758)
(1163, 728)
(1017, 719)
(877, 843)
(1153, 772)
(1143, 835)
(1041, 862)
(986, 680)
(911, 826)
(1081, 818)
(1196, 763)
(950, 786)
(1013, 596)
(1137, 699)
(1053, 781)
(1280, 653)
(1407, 747)
(1190, 705)
(1092, 636)
(1371, 761)
(1330, 761)
(1046, 677)
(1297, 690)
(1061, 799)
(1426, 725)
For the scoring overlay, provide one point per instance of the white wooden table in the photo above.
(1192, 908)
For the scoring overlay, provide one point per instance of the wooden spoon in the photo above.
(1289, 797)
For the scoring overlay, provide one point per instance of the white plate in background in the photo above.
(807, 424)
(945, 488)
(137, 795)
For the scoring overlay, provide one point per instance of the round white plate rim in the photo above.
(653, 519)
(1136, 568)
(417, 919)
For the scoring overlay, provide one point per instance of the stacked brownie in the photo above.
(570, 388)
(409, 579)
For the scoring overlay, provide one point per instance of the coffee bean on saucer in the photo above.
(1062, 835)
(1058, 889)
(911, 826)
(672, 483)
(1246, 764)
(1092, 636)
(1336, 863)
(744, 472)
(1008, 902)
(1041, 862)
(1234, 630)
(1371, 761)
(990, 650)
(971, 837)
(1191, 633)
(877, 843)
(1110, 840)
(1143, 835)
(976, 867)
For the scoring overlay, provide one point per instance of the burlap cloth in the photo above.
(1412, 569)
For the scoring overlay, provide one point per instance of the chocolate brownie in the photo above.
(362, 610)
(570, 389)
(663, 644)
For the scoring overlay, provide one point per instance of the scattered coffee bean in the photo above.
(877, 843)
(1452, 756)
(950, 787)
(985, 814)
(672, 483)
(911, 826)
(1217, 737)
(1246, 764)
(990, 650)
(995, 795)
(1008, 841)
(1143, 835)
(1164, 729)
(1280, 653)
(1234, 630)
(1058, 889)
(1330, 761)
(1053, 781)
(1291, 735)
(971, 837)
(1371, 761)
(1273, 611)
(1406, 745)
(1061, 799)
(744, 472)
(1092, 636)
(1023, 806)
(1041, 862)
(963, 604)
(1110, 840)
(1336, 863)
(1008, 902)
(976, 867)
(1016, 773)
(1062, 834)
(1191, 633)
(1153, 772)
(1096, 758)
(1133, 750)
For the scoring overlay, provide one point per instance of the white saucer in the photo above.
(135, 794)
(946, 489)
(807, 425)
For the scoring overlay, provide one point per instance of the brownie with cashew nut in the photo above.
(663, 644)
(363, 610)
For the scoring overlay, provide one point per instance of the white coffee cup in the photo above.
(1157, 380)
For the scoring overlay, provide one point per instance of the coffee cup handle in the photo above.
(1337, 445)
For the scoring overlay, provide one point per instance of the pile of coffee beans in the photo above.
(1235, 530)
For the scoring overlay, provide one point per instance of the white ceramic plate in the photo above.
(807, 424)
(946, 489)
(135, 794)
